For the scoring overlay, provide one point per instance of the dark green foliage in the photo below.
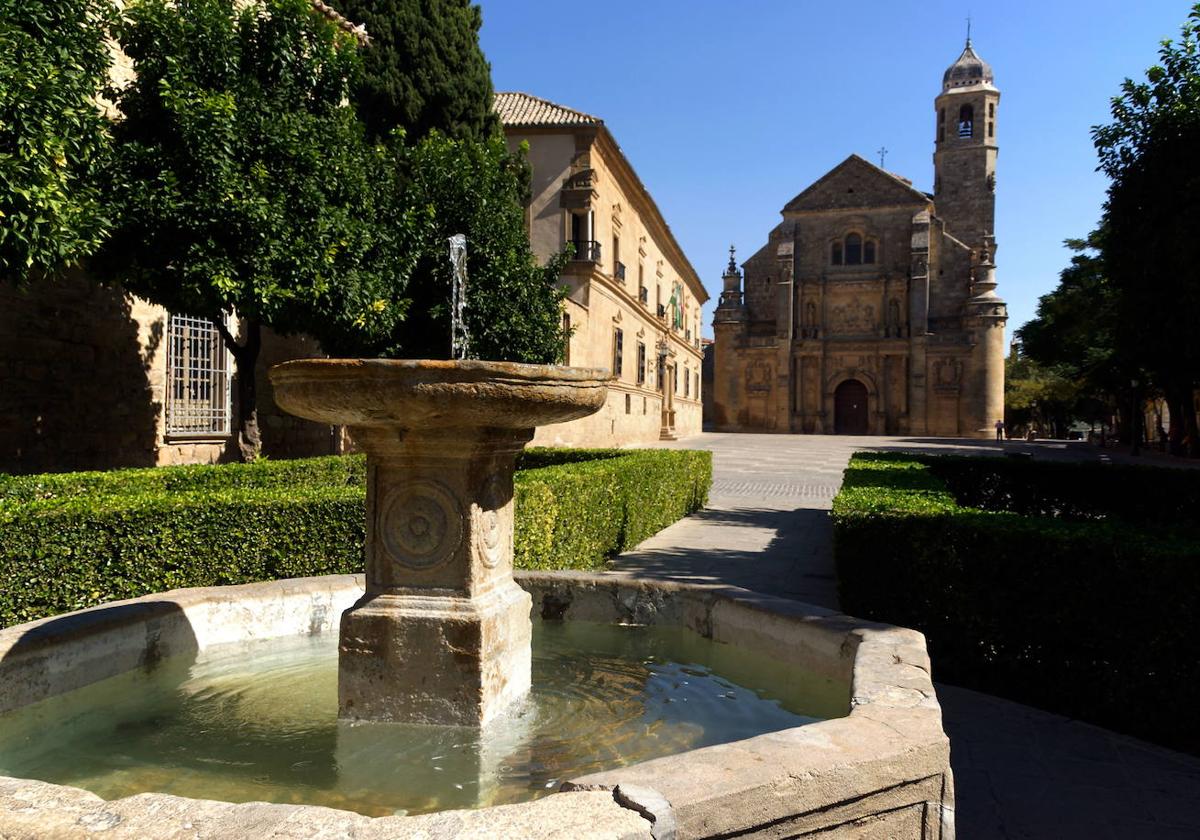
(1069, 365)
(575, 515)
(330, 471)
(1150, 246)
(241, 180)
(53, 64)
(424, 69)
(79, 539)
(60, 556)
(1088, 610)
(514, 305)
(1138, 496)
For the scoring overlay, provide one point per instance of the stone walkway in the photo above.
(1019, 772)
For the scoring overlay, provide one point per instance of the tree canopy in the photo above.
(1075, 326)
(53, 64)
(424, 69)
(241, 182)
(514, 305)
(1151, 250)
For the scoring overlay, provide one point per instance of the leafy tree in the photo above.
(53, 63)
(424, 69)
(1074, 333)
(1151, 248)
(514, 305)
(241, 182)
(1038, 394)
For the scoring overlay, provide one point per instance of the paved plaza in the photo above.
(1019, 772)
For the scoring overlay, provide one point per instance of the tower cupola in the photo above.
(965, 149)
(969, 71)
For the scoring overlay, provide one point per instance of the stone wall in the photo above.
(83, 385)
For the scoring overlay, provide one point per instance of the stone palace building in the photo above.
(872, 308)
(634, 298)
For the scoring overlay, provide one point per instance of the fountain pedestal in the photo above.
(442, 635)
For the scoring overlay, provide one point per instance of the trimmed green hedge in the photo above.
(76, 540)
(1079, 610)
(573, 515)
(331, 471)
(1167, 498)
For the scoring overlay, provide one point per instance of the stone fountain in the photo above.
(442, 635)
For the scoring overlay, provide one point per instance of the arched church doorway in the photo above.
(850, 408)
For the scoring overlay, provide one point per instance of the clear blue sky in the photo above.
(728, 109)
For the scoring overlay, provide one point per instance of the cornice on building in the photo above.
(526, 114)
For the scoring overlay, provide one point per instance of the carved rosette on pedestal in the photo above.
(442, 635)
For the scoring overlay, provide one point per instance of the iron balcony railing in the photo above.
(586, 250)
(662, 311)
(619, 272)
(644, 294)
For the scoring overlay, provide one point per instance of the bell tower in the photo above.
(964, 158)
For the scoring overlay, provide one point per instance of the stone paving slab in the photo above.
(1019, 772)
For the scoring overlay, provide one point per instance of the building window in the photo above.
(991, 110)
(641, 364)
(618, 351)
(676, 384)
(198, 401)
(697, 385)
(966, 121)
(643, 405)
(567, 338)
(628, 404)
(853, 250)
(618, 266)
(687, 382)
(991, 129)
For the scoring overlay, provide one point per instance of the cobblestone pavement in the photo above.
(1019, 772)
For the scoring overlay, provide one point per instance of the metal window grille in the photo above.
(198, 378)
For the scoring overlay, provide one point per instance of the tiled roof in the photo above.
(521, 109)
(357, 30)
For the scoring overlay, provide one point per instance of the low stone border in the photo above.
(883, 771)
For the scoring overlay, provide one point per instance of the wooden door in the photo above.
(850, 408)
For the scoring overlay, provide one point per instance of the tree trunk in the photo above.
(245, 358)
(1175, 405)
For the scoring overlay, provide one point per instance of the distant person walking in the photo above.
(999, 430)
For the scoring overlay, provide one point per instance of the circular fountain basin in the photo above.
(880, 767)
(437, 395)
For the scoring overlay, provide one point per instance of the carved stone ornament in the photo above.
(492, 540)
(422, 524)
(758, 376)
(947, 373)
(852, 317)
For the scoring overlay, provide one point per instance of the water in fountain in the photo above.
(258, 721)
(460, 339)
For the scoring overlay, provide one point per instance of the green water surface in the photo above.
(258, 722)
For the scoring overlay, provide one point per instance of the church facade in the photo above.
(872, 308)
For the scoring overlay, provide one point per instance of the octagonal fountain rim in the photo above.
(428, 394)
(887, 762)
